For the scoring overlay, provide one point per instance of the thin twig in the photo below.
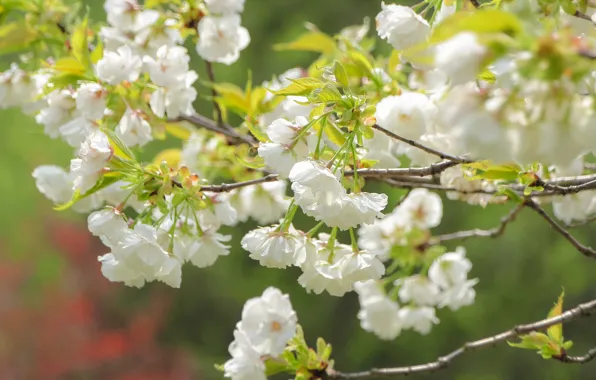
(492, 233)
(398, 172)
(582, 15)
(415, 144)
(585, 250)
(225, 187)
(444, 361)
(211, 75)
(591, 354)
(205, 122)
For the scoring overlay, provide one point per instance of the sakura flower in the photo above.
(409, 114)
(91, 99)
(282, 158)
(450, 269)
(316, 189)
(117, 271)
(265, 203)
(575, 207)
(169, 67)
(128, 15)
(274, 249)
(378, 314)
(321, 271)
(175, 101)
(269, 321)
(419, 290)
(401, 26)
(458, 295)
(225, 6)
(245, 363)
(96, 150)
(119, 66)
(108, 223)
(59, 110)
(422, 209)
(16, 87)
(222, 38)
(133, 129)
(420, 319)
(283, 131)
(360, 266)
(170, 272)
(203, 251)
(460, 57)
(53, 182)
(359, 208)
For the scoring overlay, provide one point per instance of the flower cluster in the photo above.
(445, 286)
(221, 37)
(268, 323)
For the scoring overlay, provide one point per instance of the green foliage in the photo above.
(550, 344)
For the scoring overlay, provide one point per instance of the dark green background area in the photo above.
(521, 273)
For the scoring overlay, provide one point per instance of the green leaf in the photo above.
(255, 163)
(531, 341)
(16, 36)
(97, 53)
(311, 41)
(567, 344)
(326, 94)
(273, 366)
(257, 132)
(69, 65)
(335, 134)
(301, 86)
(341, 74)
(232, 97)
(65, 79)
(555, 332)
(480, 21)
(80, 43)
(120, 149)
(103, 182)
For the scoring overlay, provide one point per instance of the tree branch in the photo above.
(227, 130)
(585, 250)
(211, 75)
(415, 144)
(444, 361)
(492, 233)
(591, 354)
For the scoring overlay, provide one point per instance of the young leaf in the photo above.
(170, 156)
(311, 41)
(301, 86)
(255, 163)
(555, 332)
(531, 341)
(80, 44)
(178, 130)
(480, 21)
(340, 74)
(120, 149)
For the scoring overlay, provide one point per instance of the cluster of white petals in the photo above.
(221, 37)
(268, 323)
(320, 195)
(445, 286)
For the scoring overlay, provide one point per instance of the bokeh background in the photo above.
(60, 319)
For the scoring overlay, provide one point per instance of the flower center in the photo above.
(275, 326)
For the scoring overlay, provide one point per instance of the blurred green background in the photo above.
(59, 319)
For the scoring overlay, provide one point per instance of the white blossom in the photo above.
(409, 114)
(265, 203)
(420, 319)
(133, 129)
(60, 107)
(274, 249)
(378, 314)
(269, 321)
(175, 101)
(282, 158)
(222, 38)
(245, 363)
(225, 6)
(401, 26)
(54, 183)
(169, 67)
(282, 131)
(119, 66)
(450, 269)
(91, 99)
(419, 290)
(204, 250)
(422, 209)
(108, 223)
(458, 295)
(460, 57)
(117, 271)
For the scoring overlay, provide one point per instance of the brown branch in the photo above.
(398, 172)
(211, 75)
(492, 233)
(227, 130)
(444, 361)
(591, 354)
(585, 250)
(225, 187)
(415, 144)
(582, 15)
